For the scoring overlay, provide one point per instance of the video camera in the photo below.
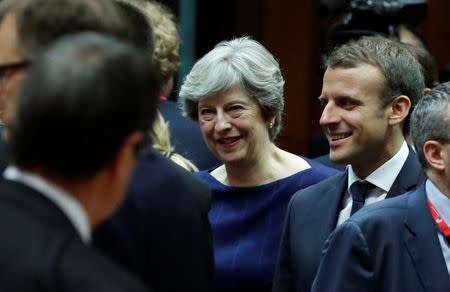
(371, 17)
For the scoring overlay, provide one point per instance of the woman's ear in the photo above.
(271, 123)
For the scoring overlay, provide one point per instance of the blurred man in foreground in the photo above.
(79, 168)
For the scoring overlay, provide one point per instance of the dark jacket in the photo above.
(162, 233)
(311, 217)
(40, 249)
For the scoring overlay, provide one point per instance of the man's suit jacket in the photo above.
(40, 250)
(162, 233)
(389, 246)
(186, 137)
(312, 215)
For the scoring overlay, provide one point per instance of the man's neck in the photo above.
(58, 194)
(364, 168)
(441, 183)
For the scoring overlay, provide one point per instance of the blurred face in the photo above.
(355, 124)
(233, 127)
(11, 68)
(118, 177)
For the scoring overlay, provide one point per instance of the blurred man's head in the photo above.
(166, 38)
(83, 109)
(28, 27)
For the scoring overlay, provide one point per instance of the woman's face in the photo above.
(233, 127)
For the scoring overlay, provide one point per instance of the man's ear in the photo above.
(426, 91)
(434, 154)
(399, 109)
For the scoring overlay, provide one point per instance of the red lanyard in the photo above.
(439, 220)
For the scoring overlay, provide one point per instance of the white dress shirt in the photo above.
(383, 178)
(442, 204)
(68, 204)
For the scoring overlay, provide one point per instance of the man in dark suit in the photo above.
(77, 172)
(162, 233)
(401, 244)
(31, 29)
(368, 89)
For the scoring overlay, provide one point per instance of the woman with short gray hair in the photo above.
(235, 92)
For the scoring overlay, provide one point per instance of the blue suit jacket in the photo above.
(389, 246)
(312, 215)
(161, 233)
(186, 137)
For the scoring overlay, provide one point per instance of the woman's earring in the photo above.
(271, 124)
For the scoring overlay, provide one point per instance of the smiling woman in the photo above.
(235, 92)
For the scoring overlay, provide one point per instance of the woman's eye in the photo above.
(236, 108)
(206, 114)
(235, 111)
(205, 111)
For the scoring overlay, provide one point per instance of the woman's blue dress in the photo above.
(247, 223)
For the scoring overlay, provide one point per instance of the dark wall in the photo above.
(222, 20)
(293, 32)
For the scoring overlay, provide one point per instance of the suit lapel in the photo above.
(409, 177)
(423, 245)
(329, 205)
(318, 219)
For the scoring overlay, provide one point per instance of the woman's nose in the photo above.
(223, 122)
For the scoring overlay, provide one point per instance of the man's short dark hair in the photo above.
(427, 64)
(141, 34)
(79, 102)
(399, 67)
(40, 22)
(430, 119)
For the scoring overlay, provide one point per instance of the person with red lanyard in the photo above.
(403, 243)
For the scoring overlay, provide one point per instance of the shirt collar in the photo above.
(67, 203)
(439, 200)
(384, 176)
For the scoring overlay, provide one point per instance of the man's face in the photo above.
(353, 119)
(11, 72)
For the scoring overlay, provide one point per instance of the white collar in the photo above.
(67, 203)
(439, 200)
(384, 176)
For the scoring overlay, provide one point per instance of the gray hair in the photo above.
(398, 65)
(243, 62)
(430, 119)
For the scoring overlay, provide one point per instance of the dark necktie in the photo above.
(359, 190)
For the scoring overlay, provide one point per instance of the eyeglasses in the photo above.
(5, 68)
